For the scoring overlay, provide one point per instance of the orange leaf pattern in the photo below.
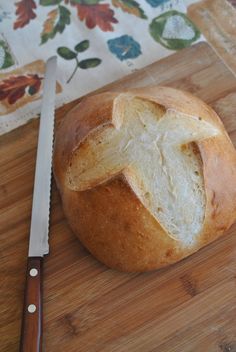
(130, 6)
(25, 13)
(97, 15)
(91, 11)
(50, 21)
(15, 87)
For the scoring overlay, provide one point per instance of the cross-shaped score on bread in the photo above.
(153, 148)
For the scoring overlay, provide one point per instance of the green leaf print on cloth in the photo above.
(66, 53)
(6, 59)
(82, 46)
(49, 2)
(89, 63)
(173, 30)
(56, 22)
(69, 54)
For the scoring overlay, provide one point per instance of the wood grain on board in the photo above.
(187, 307)
(217, 21)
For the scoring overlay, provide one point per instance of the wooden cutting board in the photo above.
(190, 306)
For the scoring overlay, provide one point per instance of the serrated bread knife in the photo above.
(31, 329)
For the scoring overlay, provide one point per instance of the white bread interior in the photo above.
(154, 148)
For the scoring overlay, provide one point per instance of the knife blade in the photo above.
(31, 330)
(38, 245)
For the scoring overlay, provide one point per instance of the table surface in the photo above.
(187, 307)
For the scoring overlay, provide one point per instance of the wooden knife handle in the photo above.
(31, 329)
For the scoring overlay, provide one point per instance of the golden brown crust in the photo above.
(110, 220)
(116, 228)
(93, 112)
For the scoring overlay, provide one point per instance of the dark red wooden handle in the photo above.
(31, 329)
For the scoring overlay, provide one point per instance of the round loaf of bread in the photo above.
(146, 176)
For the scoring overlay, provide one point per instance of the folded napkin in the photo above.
(97, 42)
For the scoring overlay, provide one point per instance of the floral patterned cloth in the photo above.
(97, 42)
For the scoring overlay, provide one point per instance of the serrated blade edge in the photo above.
(38, 245)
